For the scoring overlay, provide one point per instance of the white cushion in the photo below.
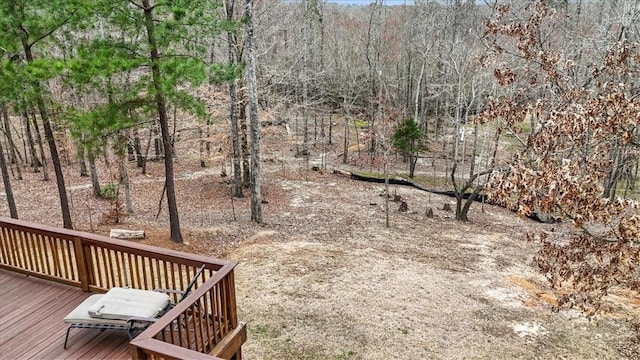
(80, 315)
(123, 304)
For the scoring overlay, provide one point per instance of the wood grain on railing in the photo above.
(153, 349)
(45, 255)
(201, 321)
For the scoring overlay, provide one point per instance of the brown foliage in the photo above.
(578, 127)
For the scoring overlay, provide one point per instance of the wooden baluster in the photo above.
(68, 259)
(136, 273)
(131, 276)
(15, 247)
(145, 271)
(165, 279)
(119, 273)
(54, 247)
(208, 323)
(4, 246)
(110, 269)
(217, 313)
(42, 249)
(24, 251)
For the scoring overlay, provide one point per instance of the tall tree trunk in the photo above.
(242, 120)
(613, 174)
(330, 129)
(126, 185)
(386, 194)
(413, 160)
(43, 157)
(244, 141)
(233, 107)
(13, 154)
(256, 176)
(416, 110)
(203, 135)
(172, 205)
(48, 133)
(84, 172)
(372, 54)
(35, 161)
(62, 191)
(121, 154)
(305, 81)
(95, 183)
(145, 156)
(137, 149)
(7, 185)
(345, 152)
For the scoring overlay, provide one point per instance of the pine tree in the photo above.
(26, 27)
(149, 50)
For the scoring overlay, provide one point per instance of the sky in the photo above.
(365, 2)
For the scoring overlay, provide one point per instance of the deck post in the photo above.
(137, 353)
(81, 262)
(231, 300)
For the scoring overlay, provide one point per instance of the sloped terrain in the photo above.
(324, 278)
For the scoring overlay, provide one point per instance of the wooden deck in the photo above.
(31, 323)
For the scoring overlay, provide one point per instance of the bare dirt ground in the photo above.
(324, 278)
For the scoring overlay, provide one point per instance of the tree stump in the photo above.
(403, 207)
(126, 234)
(429, 212)
(447, 207)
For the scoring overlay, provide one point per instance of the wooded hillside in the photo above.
(535, 104)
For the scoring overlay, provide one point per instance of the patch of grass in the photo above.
(370, 174)
(261, 330)
(633, 194)
(287, 349)
(346, 355)
(361, 124)
(430, 181)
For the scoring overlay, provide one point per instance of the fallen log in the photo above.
(126, 234)
(400, 181)
(405, 182)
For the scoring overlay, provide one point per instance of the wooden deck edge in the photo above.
(231, 344)
(159, 349)
(58, 280)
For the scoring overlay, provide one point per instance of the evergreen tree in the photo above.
(150, 50)
(406, 139)
(26, 27)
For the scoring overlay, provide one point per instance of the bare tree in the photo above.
(232, 42)
(256, 175)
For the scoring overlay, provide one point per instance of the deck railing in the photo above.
(203, 323)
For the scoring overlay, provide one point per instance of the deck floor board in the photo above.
(32, 327)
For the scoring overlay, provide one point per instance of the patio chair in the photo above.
(132, 310)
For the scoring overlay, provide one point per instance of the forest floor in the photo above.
(324, 278)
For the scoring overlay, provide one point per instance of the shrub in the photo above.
(109, 191)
